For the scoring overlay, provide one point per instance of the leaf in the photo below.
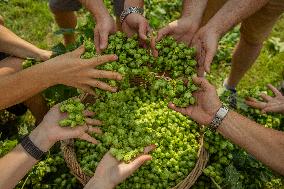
(58, 49)
(275, 45)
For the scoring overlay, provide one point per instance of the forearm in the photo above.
(17, 87)
(96, 7)
(135, 3)
(11, 44)
(264, 144)
(233, 12)
(14, 166)
(17, 163)
(194, 8)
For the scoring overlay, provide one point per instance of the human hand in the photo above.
(48, 132)
(206, 43)
(182, 30)
(270, 104)
(110, 172)
(207, 105)
(104, 27)
(69, 69)
(136, 24)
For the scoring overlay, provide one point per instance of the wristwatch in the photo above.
(218, 118)
(130, 10)
(31, 148)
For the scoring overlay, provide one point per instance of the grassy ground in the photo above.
(31, 20)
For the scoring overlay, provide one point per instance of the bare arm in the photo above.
(233, 12)
(15, 165)
(68, 69)
(194, 8)
(96, 7)
(131, 3)
(265, 144)
(11, 44)
(22, 85)
(206, 38)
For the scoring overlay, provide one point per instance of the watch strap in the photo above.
(218, 118)
(31, 148)
(130, 10)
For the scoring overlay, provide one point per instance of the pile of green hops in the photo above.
(177, 91)
(29, 62)
(175, 58)
(75, 110)
(134, 119)
(221, 155)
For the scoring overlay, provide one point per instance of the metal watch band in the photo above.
(31, 148)
(218, 118)
(130, 10)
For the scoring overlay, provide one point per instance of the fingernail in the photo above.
(115, 56)
(99, 122)
(114, 89)
(119, 77)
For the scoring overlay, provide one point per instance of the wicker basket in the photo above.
(67, 147)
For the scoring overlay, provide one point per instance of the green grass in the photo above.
(31, 20)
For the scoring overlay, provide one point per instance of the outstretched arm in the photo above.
(233, 12)
(68, 69)
(264, 144)
(11, 44)
(15, 165)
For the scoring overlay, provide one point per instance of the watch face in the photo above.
(222, 112)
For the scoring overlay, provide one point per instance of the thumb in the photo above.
(210, 53)
(79, 51)
(185, 111)
(97, 40)
(103, 40)
(155, 52)
(199, 55)
(143, 30)
(202, 82)
(162, 32)
(138, 162)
